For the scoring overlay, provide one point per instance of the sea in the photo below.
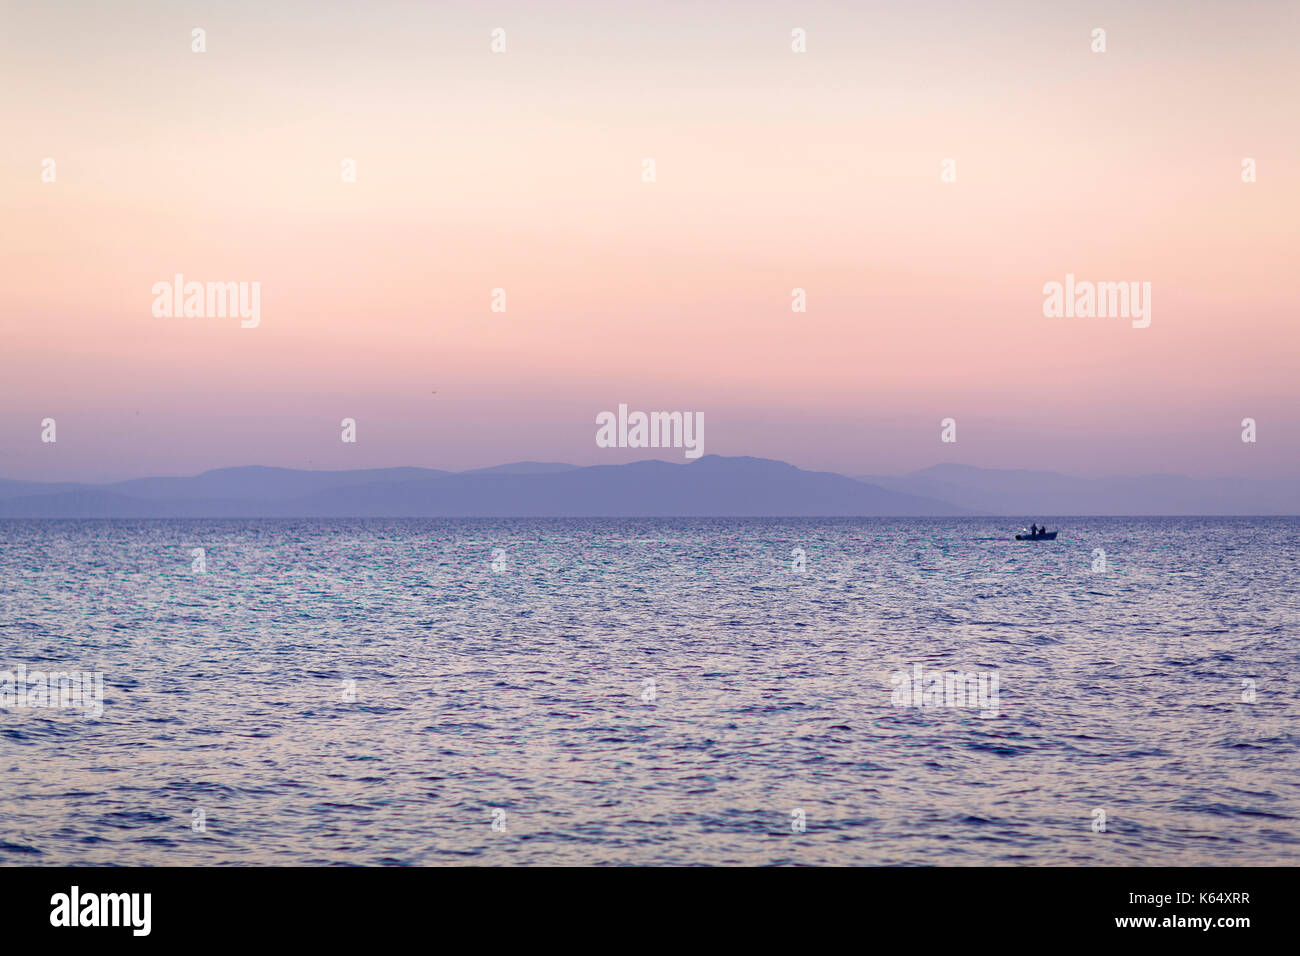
(651, 692)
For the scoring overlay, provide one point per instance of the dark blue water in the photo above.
(659, 691)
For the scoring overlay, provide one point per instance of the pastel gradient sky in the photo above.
(523, 171)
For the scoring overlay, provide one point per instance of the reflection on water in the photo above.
(658, 691)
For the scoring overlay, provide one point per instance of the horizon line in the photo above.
(857, 476)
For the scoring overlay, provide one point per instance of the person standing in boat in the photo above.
(1033, 529)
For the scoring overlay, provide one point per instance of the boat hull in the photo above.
(1046, 536)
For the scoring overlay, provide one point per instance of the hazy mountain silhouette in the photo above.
(1037, 494)
(710, 486)
(258, 482)
(11, 488)
(522, 468)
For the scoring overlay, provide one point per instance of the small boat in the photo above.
(1041, 536)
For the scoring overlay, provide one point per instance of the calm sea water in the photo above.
(652, 692)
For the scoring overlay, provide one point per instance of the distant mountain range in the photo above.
(712, 486)
(1036, 494)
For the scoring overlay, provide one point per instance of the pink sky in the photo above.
(775, 170)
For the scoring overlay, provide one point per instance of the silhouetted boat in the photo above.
(1041, 536)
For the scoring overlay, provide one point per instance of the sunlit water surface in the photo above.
(528, 690)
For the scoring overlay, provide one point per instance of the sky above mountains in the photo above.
(775, 171)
